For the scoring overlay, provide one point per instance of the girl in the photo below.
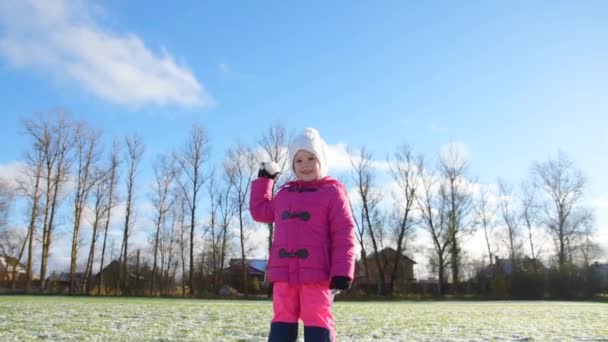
(313, 247)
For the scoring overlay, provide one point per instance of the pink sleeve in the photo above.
(342, 230)
(260, 201)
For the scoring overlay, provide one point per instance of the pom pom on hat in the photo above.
(310, 140)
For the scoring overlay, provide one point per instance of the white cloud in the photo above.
(62, 38)
(339, 159)
(12, 173)
(258, 241)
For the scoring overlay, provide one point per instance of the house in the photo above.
(61, 281)
(602, 271)
(428, 286)
(111, 275)
(505, 267)
(388, 256)
(256, 270)
(8, 265)
(110, 271)
(526, 278)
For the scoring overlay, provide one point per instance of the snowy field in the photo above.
(118, 319)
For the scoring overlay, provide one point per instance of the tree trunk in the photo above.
(19, 256)
(30, 233)
(86, 286)
(46, 243)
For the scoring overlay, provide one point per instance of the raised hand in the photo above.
(269, 170)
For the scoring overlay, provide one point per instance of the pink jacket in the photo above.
(314, 234)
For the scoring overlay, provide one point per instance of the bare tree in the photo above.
(222, 212)
(433, 203)
(212, 227)
(112, 181)
(164, 176)
(135, 150)
(100, 199)
(360, 235)
(453, 166)
(405, 171)
(240, 167)
(31, 187)
(12, 243)
(87, 155)
(54, 139)
(579, 245)
(274, 143)
(169, 240)
(530, 217)
(510, 218)
(226, 215)
(364, 178)
(6, 197)
(588, 248)
(191, 160)
(484, 218)
(180, 213)
(561, 187)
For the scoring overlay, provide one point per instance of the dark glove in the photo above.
(339, 283)
(268, 170)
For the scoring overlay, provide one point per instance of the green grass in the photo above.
(29, 318)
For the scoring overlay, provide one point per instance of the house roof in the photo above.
(255, 266)
(114, 267)
(391, 252)
(65, 276)
(258, 264)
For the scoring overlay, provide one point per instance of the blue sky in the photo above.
(512, 81)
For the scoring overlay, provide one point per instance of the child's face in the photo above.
(306, 166)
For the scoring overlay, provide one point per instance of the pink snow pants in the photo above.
(309, 302)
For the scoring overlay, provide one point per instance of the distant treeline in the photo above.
(537, 236)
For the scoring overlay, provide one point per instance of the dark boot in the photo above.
(283, 332)
(316, 334)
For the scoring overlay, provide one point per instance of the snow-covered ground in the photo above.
(119, 319)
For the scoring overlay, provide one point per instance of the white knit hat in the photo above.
(311, 141)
